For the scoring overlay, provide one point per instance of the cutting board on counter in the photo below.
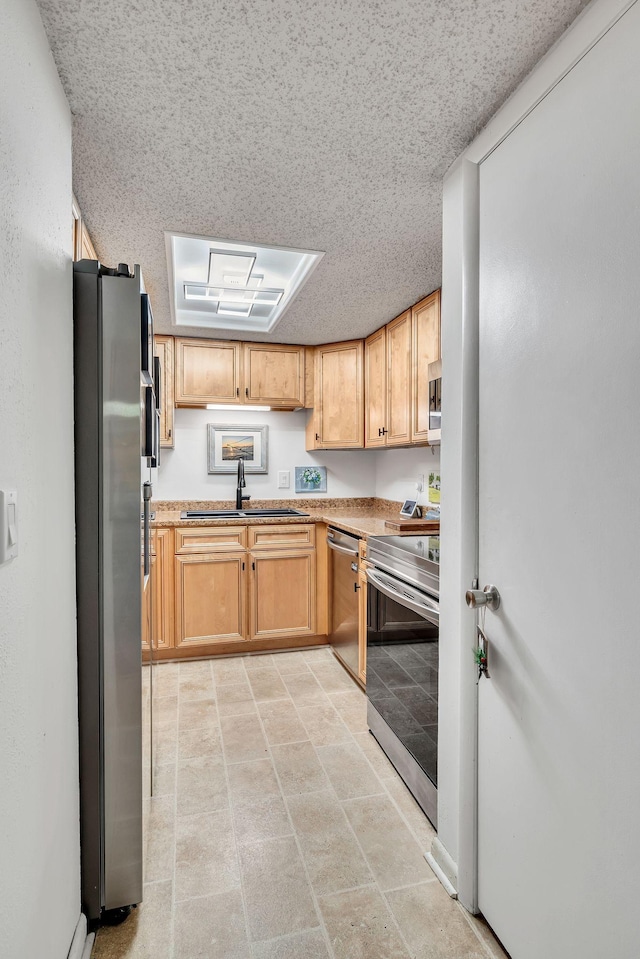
(413, 525)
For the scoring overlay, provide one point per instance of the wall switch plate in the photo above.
(8, 525)
(284, 479)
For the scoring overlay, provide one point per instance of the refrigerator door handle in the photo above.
(146, 497)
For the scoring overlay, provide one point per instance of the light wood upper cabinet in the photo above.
(274, 375)
(271, 614)
(338, 416)
(210, 598)
(375, 389)
(399, 380)
(425, 320)
(163, 347)
(83, 248)
(208, 371)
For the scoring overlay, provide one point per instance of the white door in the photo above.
(559, 719)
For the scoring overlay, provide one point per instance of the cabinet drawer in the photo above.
(286, 537)
(211, 539)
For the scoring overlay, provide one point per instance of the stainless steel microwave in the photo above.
(435, 401)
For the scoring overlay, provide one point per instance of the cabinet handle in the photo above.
(317, 436)
(237, 391)
(382, 432)
(246, 391)
(169, 434)
(253, 566)
(356, 587)
(243, 567)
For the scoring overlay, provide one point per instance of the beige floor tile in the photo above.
(483, 930)
(375, 754)
(332, 677)
(165, 742)
(290, 663)
(349, 772)
(258, 661)
(298, 768)
(211, 928)
(305, 689)
(228, 671)
(195, 668)
(235, 699)
(242, 738)
(393, 854)
(198, 712)
(166, 679)
(196, 687)
(331, 853)
(206, 861)
(160, 839)
(201, 786)
(352, 706)
(164, 779)
(360, 926)
(418, 822)
(433, 924)
(281, 722)
(165, 709)
(318, 654)
(277, 894)
(267, 684)
(200, 741)
(252, 781)
(265, 819)
(146, 934)
(302, 945)
(323, 724)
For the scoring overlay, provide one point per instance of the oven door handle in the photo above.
(412, 600)
(341, 549)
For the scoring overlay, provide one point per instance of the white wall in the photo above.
(397, 472)
(39, 840)
(183, 473)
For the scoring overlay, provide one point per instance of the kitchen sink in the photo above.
(239, 513)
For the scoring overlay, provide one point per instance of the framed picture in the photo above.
(311, 479)
(228, 444)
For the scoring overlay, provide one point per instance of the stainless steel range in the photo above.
(402, 658)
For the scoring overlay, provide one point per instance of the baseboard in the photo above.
(81, 944)
(444, 867)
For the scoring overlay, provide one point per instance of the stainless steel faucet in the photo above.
(241, 485)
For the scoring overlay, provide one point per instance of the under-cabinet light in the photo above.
(221, 406)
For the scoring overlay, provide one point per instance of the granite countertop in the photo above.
(364, 516)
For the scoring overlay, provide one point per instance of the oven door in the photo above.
(402, 669)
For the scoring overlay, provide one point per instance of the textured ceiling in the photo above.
(320, 124)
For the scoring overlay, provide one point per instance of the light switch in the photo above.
(8, 525)
(284, 479)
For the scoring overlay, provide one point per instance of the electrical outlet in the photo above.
(420, 483)
(284, 479)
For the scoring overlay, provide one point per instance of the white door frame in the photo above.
(455, 848)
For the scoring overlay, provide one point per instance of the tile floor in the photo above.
(278, 828)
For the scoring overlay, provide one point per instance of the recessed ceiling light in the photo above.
(251, 284)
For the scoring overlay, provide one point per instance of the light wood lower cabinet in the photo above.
(282, 594)
(163, 591)
(362, 626)
(210, 598)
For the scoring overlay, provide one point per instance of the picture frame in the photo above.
(311, 479)
(228, 444)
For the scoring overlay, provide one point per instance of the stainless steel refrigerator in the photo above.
(114, 421)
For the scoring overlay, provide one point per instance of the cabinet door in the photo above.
(282, 612)
(163, 347)
(163, 589)
(274, 375)
(207, 371)
(210, 598)
(339, 396)
(425, 318)
(399, 380)
(375, 389)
